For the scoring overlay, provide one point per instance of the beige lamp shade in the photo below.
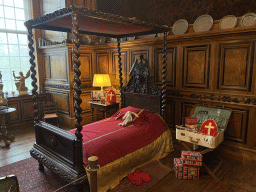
(101, 80)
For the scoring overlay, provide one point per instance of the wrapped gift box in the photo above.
(191, 158)
(178, 168)
(190, 172)
(219, 115)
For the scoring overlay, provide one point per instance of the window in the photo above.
(14, 51)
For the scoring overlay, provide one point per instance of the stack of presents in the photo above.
(188, 166)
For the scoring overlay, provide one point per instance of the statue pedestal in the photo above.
(23, 92)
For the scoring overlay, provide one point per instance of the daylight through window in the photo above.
(13, 42)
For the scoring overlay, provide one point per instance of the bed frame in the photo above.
(59, 150)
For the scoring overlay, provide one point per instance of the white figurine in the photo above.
(128, 118)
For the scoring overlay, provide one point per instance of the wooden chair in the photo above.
(9, 183)
(50, 113)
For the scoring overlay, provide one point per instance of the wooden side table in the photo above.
(4, 128)
(103, 107)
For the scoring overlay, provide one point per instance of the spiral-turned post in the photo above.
(120, 71)
(164, 71)
(77, 84)
(33, 74)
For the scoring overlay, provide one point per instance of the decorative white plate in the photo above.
(203, 23)
(86, 40)
(228, 22)
(249, 19)
(180, 27)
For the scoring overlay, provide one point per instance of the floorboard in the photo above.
(238, 173)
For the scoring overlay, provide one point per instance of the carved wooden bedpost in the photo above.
(33, 74)
(76, 87)
(120, 71)
(163, 106)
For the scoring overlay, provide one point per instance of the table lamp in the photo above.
(101, 80)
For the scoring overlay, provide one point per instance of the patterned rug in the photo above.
(32, 180)
(156, 170)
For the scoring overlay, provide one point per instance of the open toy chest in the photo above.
(219, 115)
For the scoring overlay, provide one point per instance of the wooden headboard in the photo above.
(140, 91)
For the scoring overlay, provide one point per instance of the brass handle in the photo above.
(193, 141)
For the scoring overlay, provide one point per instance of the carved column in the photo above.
(33, 74)
(76, 87)
(163, 104)
(120, 72)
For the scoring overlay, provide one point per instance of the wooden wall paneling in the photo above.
(15, 116)
(102, 62)
(251, 132)
(59, 66)
(196, 64)
(213, 70)
(235, 66)
(86, 98)
(179, 67)
(62, 101)
(135, 54)
(47, 67)
(114, 70)
(86, 67)
(170, 113)
(171, 66)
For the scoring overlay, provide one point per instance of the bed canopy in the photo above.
(80, 20)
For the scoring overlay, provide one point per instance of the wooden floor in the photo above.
(238, 173)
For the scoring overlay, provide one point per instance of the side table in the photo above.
(4, 128)
(103, 107)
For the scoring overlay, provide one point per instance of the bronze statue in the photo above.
(20, 84)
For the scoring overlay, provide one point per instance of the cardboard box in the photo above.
(219, 115)
(191, 158)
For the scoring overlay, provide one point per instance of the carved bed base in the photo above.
(57, 149)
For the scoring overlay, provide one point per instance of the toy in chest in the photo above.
(211, 123)
(111, 97)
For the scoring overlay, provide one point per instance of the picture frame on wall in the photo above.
(97, 95)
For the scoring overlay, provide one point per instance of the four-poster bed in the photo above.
(61, 151)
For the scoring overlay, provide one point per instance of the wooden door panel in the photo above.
(235, 67)
(170, 116)
(196, 64)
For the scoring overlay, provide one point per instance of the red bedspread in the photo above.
(109, 141)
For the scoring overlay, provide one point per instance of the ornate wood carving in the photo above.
(196, 63)
(140, 81)
(114, 75)
(235, 66)
(92, 13)
(120, 71)
(170, 65)
(212, 97)
(76, 87)
(33, 74)
(164, 72)
(136, 54)
(57, 86)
